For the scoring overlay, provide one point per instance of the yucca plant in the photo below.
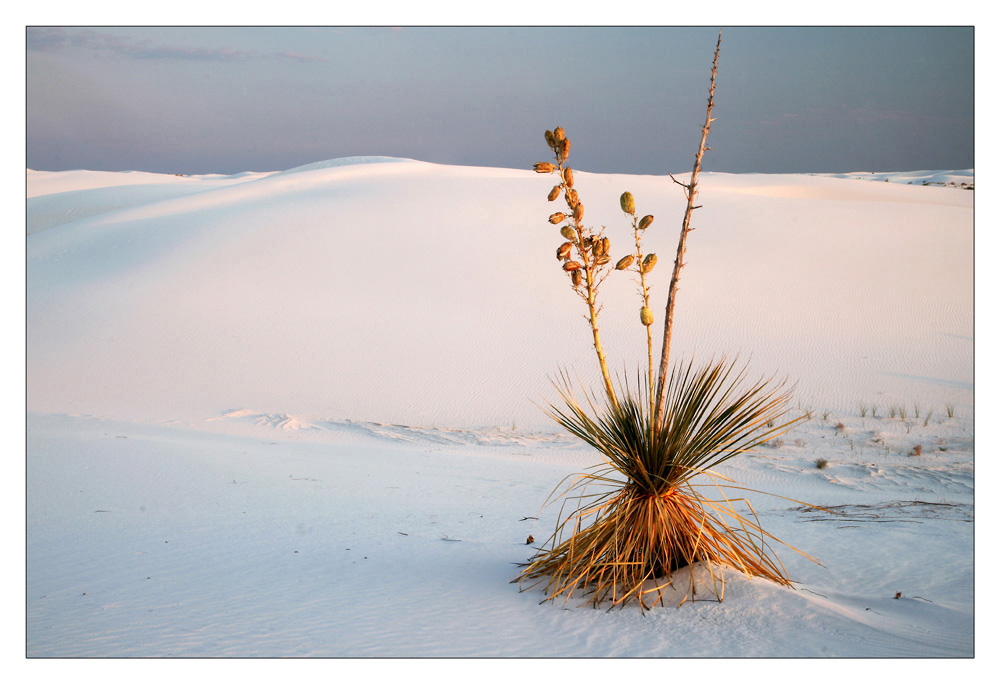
(655, 505)
(649, 517)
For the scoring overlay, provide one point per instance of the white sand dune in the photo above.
(296, 413)
(415, 293)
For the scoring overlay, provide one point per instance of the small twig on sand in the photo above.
(813, 592)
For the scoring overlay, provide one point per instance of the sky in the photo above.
(632, 99)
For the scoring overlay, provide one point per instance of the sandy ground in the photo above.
(297, 413)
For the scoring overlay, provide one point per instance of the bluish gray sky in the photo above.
(224, 100)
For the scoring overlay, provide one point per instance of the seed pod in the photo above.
(648, 263)
(567, 174)
(564, 149)
(646, 316)
(544, 167)
(550, 139)
(578, 212)
(645, 221)
(567, 232)
(554, 192)
(588, 241)
(563, 252)
(572, 198)
(624, 262)
(571, 266)
(601, 260)
(557, 218)
(605, 246)
(628, 203)
(559, 133)
(577, 277)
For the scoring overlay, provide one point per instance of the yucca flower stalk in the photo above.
(650, 515)
(643, 263)
(590, 247)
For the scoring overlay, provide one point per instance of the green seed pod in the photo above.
(624, 262)
(628, 203)
(646, 316)
(557, 218)
(550, 139)
(544, 167)
(567, 174)
(648, 263)
(571, 266)
(564, 249)
(578, 212)
(559, 133)
(567, 232)
(577, 277)
(554, 192)
(645, 221)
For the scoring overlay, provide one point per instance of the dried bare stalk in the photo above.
(690, 191)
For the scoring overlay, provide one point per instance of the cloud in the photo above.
(298, 57)
(46, 39)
